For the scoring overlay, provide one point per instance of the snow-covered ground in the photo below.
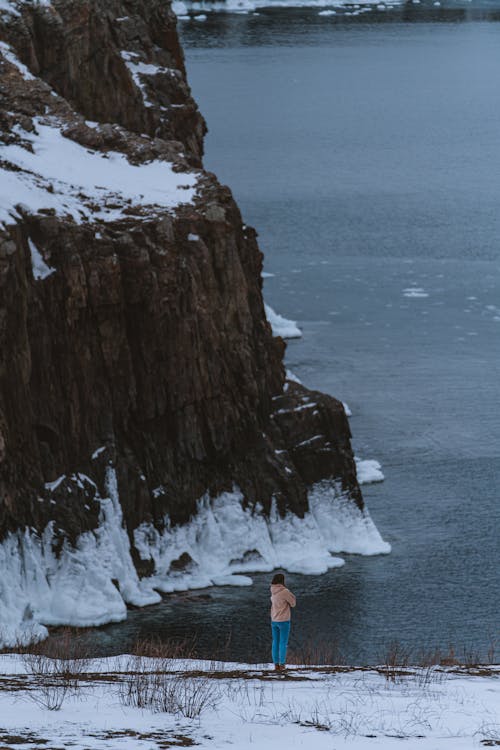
(248, 707)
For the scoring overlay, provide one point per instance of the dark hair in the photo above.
(278, 578)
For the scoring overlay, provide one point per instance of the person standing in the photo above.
(281, 601)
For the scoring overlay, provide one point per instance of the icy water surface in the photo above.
(367, 154)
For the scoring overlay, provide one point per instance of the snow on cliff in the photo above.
(51, 171)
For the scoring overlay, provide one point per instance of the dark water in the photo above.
(367, 154)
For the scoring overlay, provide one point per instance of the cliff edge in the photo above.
(148, 437)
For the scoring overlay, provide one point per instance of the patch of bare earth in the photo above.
(163, 740)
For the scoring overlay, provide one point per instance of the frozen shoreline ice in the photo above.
(287, 329)
(221, 545)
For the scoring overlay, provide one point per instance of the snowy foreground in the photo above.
(249, 706)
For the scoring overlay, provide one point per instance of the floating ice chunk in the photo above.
(327, 13)
(179, 8)
(368, 471)
(265, 274)
(201, 17)
(414, 291)
(287, 329)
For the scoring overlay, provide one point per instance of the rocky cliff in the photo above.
(136, 362)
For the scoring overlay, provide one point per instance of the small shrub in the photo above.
(395, 661)
(491, 650)
(169, 693)
(57, 666)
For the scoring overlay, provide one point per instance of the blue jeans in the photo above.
(280, 631)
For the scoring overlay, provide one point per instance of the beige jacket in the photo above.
(281, 601)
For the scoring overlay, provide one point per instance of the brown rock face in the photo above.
(147, 343)
(93, 53)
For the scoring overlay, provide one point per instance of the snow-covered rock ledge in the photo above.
(50, 171)
(91, 583)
